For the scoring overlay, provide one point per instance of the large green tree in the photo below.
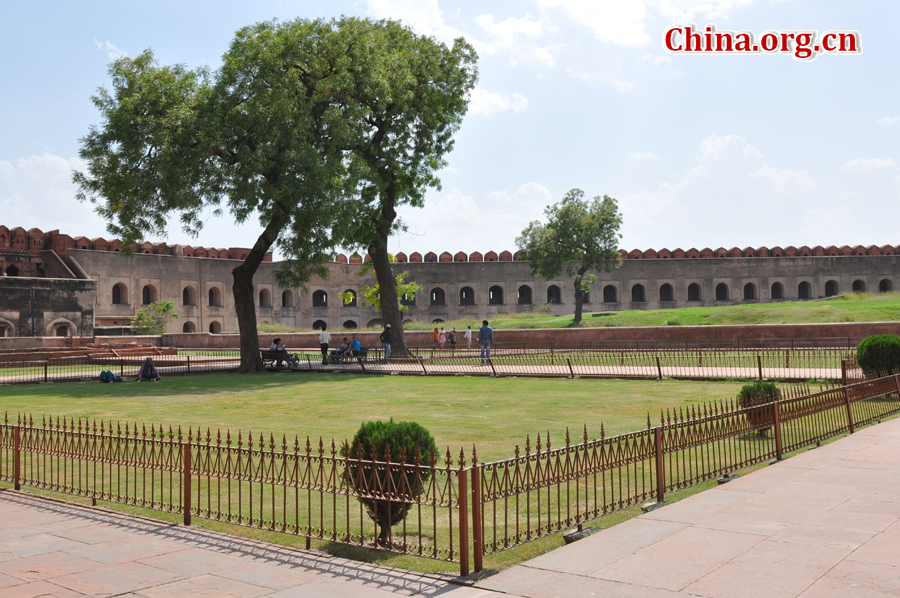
(579, 236)
(414, 103)
(279, 132)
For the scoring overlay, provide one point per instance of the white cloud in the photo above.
(424, 16)
(685, 11)
(599, 70)
(458, 222)
(37, 191)
(613, 21)
(487, 103)
(515, 36)
(889, 120)
(111, 51)
(644, 156)
(831, 223)
(785, 182)
(871, 165)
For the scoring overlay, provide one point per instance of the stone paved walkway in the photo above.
(50, 549)
(822, 524)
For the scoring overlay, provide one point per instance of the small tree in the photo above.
(879, 353)
(753, 397)
(405, 290)
(397, 442)
(579, 235)
(154, 319)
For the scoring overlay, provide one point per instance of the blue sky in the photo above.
(699, 150)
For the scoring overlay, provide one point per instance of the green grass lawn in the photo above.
(493, 414)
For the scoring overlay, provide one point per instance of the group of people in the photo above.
(278, 347)
(441, 336)
(347, 350)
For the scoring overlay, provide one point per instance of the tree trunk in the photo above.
(245, 301)
(384, 273)
(579, 296)
(390, 306)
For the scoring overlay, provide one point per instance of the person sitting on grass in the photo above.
(148, 373)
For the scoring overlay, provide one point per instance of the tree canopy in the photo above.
(317, 128)
(579, 236)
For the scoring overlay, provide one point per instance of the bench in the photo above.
(270, 358)
(363, 354)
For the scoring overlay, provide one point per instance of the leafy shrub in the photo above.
(757, 394)
(879, 353)
(404, 442)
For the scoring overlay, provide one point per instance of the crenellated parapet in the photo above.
(36, 240)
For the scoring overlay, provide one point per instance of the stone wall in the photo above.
(46, 307)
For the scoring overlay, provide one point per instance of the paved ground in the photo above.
(49, 549)
(822, 524)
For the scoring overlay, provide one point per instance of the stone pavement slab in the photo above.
(825, 523)
(81, 551)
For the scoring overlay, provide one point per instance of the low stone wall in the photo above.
(563, 336)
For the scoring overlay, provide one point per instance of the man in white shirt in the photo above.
(468, 337)
(324, 339)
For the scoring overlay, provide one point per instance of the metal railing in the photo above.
(322, 492)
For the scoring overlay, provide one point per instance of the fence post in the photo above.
(422, 363)
(571, 371)
(551, 355)
(491, 363)
(121, 368)
(186, 484)
(778, 443)
(17, 459)
(660, 466)
(658, 368)
(188, 364)
(843, 372)
(45, 372)
(897, 380)
(849, 411)
(759, 365)
(477, 526)
(463, 522)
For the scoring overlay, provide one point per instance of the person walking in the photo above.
(485, 338)
(386, 341)
(453, 339)
(468, 336)
(324, 339)
(442, 337)
(436, 338)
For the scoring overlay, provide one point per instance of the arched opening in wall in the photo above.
(320, 299)
(6, 329)
(437, 321)
(804, 290)
(885, 286)
(61, 328)
(407, 300)
(119, 294)
(495, 295)
(376, 323)
(554, 296)
(12, 271)
(351, 295)
(695, 292)
(438, 297)
(721, 292)
(265, 298)
(319, 325)
(666, 293)
(149, 294)
(215, 297)
(610, 294)
(466, 296)
(777, 290)
(287, 299)
(638, 294)
(832, 288)
(215, 327)
(189, 327)
(350, 324)
(859, 286)
(749, 291)
(188, 296)
(524, 296)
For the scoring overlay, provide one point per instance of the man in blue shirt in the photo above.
(354, 347)
(485, 338)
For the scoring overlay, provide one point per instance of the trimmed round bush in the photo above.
(879, 353)
(759, 393)
(402, 441)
